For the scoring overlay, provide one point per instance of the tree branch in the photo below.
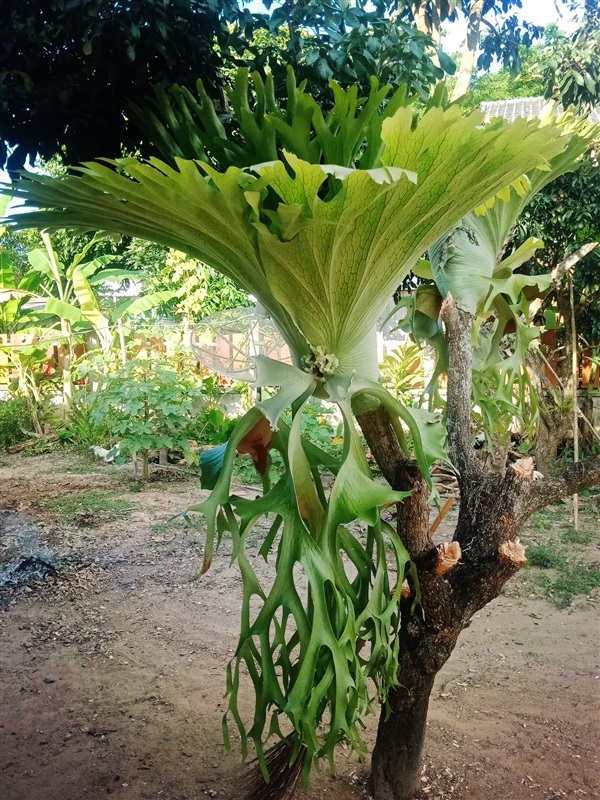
(570, 480)
(378, 429)
(559, 270)
(402, 474)
(460, 374)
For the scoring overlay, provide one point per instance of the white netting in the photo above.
(228, 341)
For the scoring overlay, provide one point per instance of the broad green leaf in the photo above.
(7, 275)
(422, 269)
(114, 276)
(90, 268)
(64, 310)
(139, 305)
(464, 260)
(40, 262)
(4, 203)
(88, 302)
(355, 495)
(359, 238)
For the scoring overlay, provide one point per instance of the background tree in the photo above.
(67, 69)
(505, 33)
(570, 66)
(200, 290)
(347, 41)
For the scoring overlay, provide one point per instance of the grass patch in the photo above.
(546, 518)
(90, 507)
(545, 556)
(570, 582)
(168, 525)
(582, 536)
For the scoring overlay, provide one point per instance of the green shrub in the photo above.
(146, 406)
(544, 556)
(80, 430)
(15, 422)
(210, 426)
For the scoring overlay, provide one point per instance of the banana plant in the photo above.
(321, 224)
(69, 291)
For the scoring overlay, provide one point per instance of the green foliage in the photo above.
(505, 84)
(322, 427)
(349, 42)
(79, 430)
(210, 426)
(566, 215)
(15, 421)
(322, 234)
(570, 66)
(147, 406)
(200, 290)
(326, 679)
(544, 556)
(102, 506)
(581, 536)
(219, 221)
(67, 73)
(570, 582)
(402, 371)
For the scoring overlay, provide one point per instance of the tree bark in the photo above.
(396, 761)
(467, 59)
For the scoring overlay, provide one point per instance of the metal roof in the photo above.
(527, 107)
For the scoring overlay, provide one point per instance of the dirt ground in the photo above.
(113, 673)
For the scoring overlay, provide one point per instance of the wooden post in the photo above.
(575, 368)
(122, 341)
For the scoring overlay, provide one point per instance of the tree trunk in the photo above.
(467, 59)
(457, 580)
(396, 761)
(145, 467)
(553, 427)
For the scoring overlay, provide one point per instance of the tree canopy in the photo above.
(69, 68)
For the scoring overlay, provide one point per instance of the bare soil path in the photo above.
(113, 673)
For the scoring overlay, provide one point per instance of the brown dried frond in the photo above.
(406, 590)
(449, 554)
(524, 468)
(284, 776)
(513, 552)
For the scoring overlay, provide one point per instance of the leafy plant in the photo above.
(402, 371)
(15, 421)
(544, 556)
(210, 426)
(581, 536)
(79, 429)
(570, 582)
(147, 406)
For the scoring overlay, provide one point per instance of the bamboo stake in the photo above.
(575, 367)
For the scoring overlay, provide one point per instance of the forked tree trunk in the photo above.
(457, 581)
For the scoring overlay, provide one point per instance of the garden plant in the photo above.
(321, 216)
